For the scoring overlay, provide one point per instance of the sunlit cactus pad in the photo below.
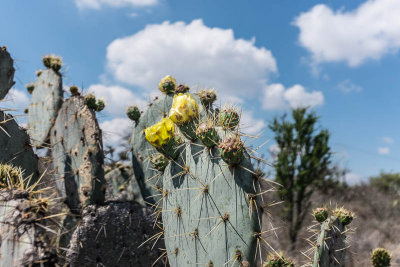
(206, 211)
(77, 154)
(47, 98)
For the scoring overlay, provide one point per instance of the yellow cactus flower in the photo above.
(184, 109)
(160, 133)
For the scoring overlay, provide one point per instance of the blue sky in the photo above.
(341, 57)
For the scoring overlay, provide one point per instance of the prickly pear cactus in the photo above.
(380, 257)
(23, 241)
(47, 98)
(6, 72)
(77, 155)
(147, 174)
(15, 147)
(122, 185)
(209, 210)
(331, 245)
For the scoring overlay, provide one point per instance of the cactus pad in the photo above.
(47, 98)
(6, 72)
(207, 215)
(77, 154)
(15, 147)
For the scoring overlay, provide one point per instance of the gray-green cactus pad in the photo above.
(77, 154)
(206, 212)
(47, 98)
(122, 185)
(15, 147)
(6, 72)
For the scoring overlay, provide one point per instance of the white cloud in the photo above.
(193, 53)
(276, 96)
(387, 140)
(114, 130)
(15, 99)
(274, 151)
(368, 32)
(348, 86)
(383, 150)
(352, 178)
(117, 98)
(251, 125)
(97, 4)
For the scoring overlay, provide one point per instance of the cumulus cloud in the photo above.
(383, 150)
(195, 54)
(276, 96)
(117, 98)
(115, 130)
(348, 86)
(352, 178)
(367, 32)
(97, 4)
(250, 124)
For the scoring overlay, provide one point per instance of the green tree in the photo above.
(302, 164)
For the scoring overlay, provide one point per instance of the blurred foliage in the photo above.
(386, 182)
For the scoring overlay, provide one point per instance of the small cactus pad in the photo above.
(47, 98)
(345, 216)
(90, 101)
(275, 260)
(207, 97)
(182, 88)
(133, 113)
(229, 118)
(15, 147)
(100, 105)
(207, 134)
(77, 154)
(74, 90)
(30, 87)
(6, 72)
(122, 186)
(159, 161)
(380, 257)
(112, 235)
(206, 209)
(320, 214)
(231, 150)
(167, 85)
(23, 242)
(52, 62)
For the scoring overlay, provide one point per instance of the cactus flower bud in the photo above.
(231, 150)
(380, 257)
(229, 118)
(133, 113)
(320, 214)
(345, 216)
(167, 84)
